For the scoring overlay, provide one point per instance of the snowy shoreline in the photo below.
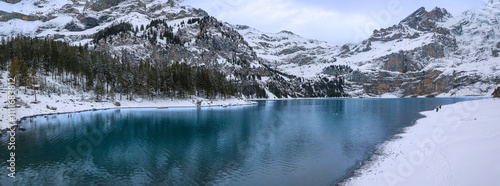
(380, 97)
(72, 104)
(456, 146)
(65, 104)
(140, 107)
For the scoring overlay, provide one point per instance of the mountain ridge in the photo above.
(425, 54)
(422, 55)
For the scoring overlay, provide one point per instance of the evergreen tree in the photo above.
(121, 80)
(99, 90)
(90, 70)
(14, 68)
(4, 54)
(33, 79)
(24, 76)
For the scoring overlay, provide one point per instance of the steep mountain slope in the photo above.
(289, 52)
(162, 32)
(427, 53)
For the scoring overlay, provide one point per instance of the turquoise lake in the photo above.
(285, 142)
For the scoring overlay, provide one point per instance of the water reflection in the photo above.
(290, 142)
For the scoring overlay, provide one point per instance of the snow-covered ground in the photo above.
(459, 145)
(66, 103)
(72, 103)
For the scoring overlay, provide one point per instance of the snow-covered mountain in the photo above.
(429, 52)
(289, 52)
(163, 31)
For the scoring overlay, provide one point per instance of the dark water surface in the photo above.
(291, 142)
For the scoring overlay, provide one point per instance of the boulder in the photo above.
(73, 27)
(51, 108)
(496, 94)
(90, 22)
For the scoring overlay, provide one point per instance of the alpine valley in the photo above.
(429, 53)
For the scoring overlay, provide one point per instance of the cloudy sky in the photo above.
(334, 21)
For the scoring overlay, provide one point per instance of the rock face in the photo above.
(104, 4)
(5, 16)
(73, 27)
(90, 22)
(413, 83)
(399, 62)
(422, 20)
(496, 93)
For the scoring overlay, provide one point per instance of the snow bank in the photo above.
(72, 103)
(459, 145)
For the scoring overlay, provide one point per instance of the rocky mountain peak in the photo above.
(419, 22)
(423, 20)
(287, 32)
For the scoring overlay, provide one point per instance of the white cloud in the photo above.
(335, 22)
(275, 15)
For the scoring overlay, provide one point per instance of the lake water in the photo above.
(290, 142)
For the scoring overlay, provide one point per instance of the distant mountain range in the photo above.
(426, 54)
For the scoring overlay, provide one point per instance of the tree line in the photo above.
(28, 58)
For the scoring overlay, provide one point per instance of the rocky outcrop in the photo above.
(426, 21)
(496, 52)
(291, 50)
(409, 84)
(104, 4)
(433, 50)
(5, 16)
(345, 50)
(408, 61)
(90, 22)
(302, 59)
(496, 93)
(420, 20)
(336, 70)
(427, 83)
(73, 27)
(399, 62)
